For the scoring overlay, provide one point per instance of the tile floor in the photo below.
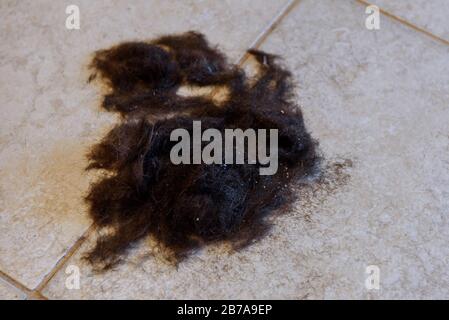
(431, 16)
(379, 98)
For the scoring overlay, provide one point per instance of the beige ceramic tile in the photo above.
(429, 15)
(50, 115)
(378, 98)
(8, 292)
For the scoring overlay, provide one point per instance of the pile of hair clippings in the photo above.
(185, 206)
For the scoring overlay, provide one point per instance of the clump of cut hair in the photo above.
(183, 206)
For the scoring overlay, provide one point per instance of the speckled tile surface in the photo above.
(429, 15)
(381, 99)
(8, 292)
(50, 115)
(378, 98)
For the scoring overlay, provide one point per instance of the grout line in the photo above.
(61, 262)
(27, 292)
(14, 283)
(408, 24)
(269, 29)
(35, 295)
(264, 34)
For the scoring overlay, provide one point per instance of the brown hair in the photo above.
(185, 206)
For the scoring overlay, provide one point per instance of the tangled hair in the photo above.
(185, 206)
